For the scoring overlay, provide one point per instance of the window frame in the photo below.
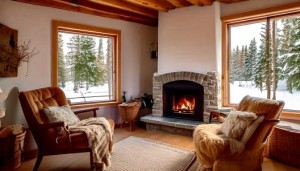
(240, 19)
(88, 30)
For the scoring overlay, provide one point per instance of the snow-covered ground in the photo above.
(101, 93)
(238, 91)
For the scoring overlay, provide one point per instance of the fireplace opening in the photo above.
(184, 104)
(183, 99)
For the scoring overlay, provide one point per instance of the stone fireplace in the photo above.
(208, 81)
(182, 100)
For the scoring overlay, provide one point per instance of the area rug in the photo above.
(141, 154)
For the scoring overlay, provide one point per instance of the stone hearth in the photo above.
(210, 83)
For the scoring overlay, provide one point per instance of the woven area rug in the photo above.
(140, 154)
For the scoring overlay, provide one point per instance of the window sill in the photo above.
(285, 115)
(290, 116)
(88, 105)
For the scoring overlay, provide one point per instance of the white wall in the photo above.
(251, 5)
(34, 23)
(187, 39)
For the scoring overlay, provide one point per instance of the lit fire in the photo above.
(185, 104)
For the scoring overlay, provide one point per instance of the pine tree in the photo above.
(260, 63)
(61, 63)
(73, 58)
(245, 56)
(240, 65)
(234, 62)
(101, 62)
(82, 59)
(87, 66)
(291, 59)
(232, 66)
(109, 67)
(250, 60)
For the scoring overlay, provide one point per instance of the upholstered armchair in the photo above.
(220, 151)
(52, 137)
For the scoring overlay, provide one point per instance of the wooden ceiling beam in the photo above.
(201, 2)
(160, 5)
(180, 3)
(230, 1)
(92, 8)
(129, 7)
(205, 2)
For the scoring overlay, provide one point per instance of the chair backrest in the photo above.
(271, 109)
(34, 101)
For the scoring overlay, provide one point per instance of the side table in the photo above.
(128, 112)
(220, 114)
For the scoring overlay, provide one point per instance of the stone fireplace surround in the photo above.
(210, 83)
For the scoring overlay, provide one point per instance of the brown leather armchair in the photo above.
(48, 140)
(250, 159)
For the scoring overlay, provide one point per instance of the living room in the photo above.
(188, 39)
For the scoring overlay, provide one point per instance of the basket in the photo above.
(129, 110)
(284, 145)
(11, 148)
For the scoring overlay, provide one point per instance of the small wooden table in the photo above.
(128, 112)
(220, 113)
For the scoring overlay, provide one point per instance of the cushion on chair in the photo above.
(61, 114)
(236, 123)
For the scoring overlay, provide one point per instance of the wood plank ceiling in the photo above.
(139, 11)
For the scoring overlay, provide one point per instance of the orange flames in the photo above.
(185, 104)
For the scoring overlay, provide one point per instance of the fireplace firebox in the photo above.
(183, 99)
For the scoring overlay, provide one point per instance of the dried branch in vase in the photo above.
(24, 53)
(21, 54)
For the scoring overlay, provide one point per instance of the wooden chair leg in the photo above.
(122, 122)
(38, 161)
(91, 160)
(131, 126)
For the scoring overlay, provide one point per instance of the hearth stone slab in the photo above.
(172, 125)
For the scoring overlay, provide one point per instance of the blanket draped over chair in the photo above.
(100, 139)
(211, 139)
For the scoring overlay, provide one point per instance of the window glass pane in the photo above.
(266, 65)
(285, 48)
(85, 67)
(246, 42)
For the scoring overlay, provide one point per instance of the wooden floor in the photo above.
(80, 161)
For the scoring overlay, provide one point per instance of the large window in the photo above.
(86, 63)
(262, 56)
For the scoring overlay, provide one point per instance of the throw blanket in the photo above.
(100, 139)
(211, 143)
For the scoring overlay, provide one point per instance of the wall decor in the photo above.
(153, 49)
(8, 51)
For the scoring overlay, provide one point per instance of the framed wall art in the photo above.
(8, 51)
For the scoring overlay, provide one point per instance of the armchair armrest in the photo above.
(51, 125)
(272, 120)
(82, 110)
(46, 126)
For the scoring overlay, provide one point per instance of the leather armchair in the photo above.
(46, 136)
